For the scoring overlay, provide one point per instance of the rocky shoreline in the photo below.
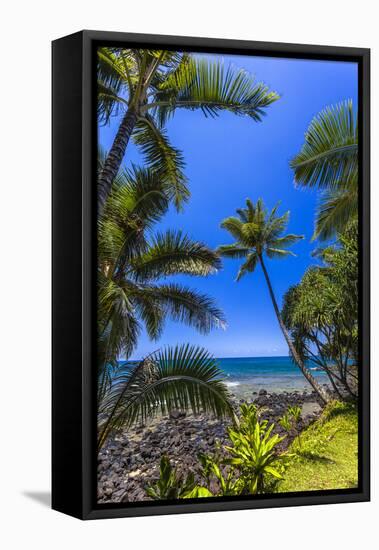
(131, 460)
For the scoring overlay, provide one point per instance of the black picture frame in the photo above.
(74, 274)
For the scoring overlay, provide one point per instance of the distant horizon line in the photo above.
(232, 357)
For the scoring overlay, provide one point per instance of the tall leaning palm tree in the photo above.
(328, 160)
(146, 87)
(259, 234)
(134, 260)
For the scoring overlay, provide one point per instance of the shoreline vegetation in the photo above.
(326, 456)
(168, 425)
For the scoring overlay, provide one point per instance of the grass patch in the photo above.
(327, 455)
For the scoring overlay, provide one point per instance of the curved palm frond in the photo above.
(137, 192)
(188, 306)
(209, 86)
(329, 160)
(118, 327)
(136, 202)
(234, 251)
(278, 252)
(234, 226)
(185, 377)
(172, 253)
(163, 158)
(329, 156)
(117, 77)
(286, 241)
(335, 210)
(248, 266)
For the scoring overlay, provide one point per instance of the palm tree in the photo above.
(328, 160)
(258, 233)
(147, 86)
(184, 377)
(131, 261)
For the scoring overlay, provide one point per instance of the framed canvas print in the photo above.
(210, 274)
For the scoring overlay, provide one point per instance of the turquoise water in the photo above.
(273, 374)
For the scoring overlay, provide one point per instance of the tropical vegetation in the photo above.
(321, 314)
(258, 234)
(132, 260)
(249, 464)
(138, 265)
(321, 457)
(185, 377)
(147, 87)
(328, 161)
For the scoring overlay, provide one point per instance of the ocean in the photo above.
(274, 374)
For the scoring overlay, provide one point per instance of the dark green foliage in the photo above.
(228, 480)
(170, 486)
(321, 313)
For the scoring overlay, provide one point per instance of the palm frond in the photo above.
(335, 210)
(137, 192)
(187, 306)
(286, 241)
(278, 252)
(150, 310)
(234, 226)
(209, 86)
(173, 253)
(248, 266)
(116, 73)
(185, 377)
(118, 327)
(136, 202)
(329, 156)
(235, 250)
(167, 161)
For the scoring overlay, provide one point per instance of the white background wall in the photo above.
(27, 27)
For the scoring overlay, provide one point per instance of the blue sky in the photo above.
(230, 158)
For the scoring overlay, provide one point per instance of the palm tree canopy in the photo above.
(328, 160)
(171, 80)
(155, 83)
(185, 377)
(257, 231)
(132, 259)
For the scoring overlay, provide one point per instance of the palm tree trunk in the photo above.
(114, 158)
(315, 385)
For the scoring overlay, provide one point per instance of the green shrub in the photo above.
(170, 485)
(251, 464)
(253, 452)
